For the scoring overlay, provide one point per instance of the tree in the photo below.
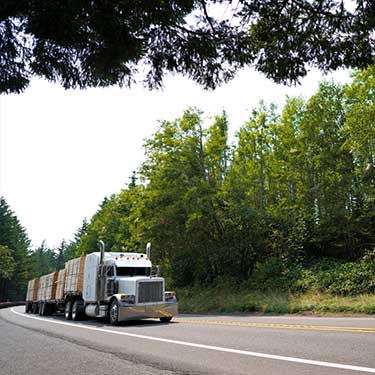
(72, 249)
(359, 133)
(7, 263)
(43, 260)
(217, 150)
(61, 255)
(14, 244)
(326, 174)
(109, 224)
(99, 43)
(177, 213)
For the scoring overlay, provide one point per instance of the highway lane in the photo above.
(205, 345)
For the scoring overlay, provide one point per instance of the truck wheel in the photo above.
(27, 307)
(41, 309)
(113, 313)
(77, 311)
(165, 319)
(68, 310)
(47, 309)
(35, 308)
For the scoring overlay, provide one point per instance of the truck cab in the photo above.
(121, 287)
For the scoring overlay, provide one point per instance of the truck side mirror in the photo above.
(157, 271)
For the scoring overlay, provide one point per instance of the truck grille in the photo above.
(150, 291)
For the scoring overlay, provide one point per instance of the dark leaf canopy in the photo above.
(98, 43)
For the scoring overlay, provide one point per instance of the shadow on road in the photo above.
(102, 323)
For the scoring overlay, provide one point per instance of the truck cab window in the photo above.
(132, 271)
(110, 271)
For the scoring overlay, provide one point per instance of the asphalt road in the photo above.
(190, 344)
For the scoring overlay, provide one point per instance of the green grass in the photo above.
(223, 299)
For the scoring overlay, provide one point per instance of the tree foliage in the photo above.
(19, 262)
(7, 263)
(293, 195)
(100, 43)
(14, 245)
(294, 188)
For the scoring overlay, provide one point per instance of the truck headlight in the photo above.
(169, 296)
(128, 298)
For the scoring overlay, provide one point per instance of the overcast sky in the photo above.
(62, 152)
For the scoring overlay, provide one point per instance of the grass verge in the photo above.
(224, 300)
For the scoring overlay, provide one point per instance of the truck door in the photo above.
(110, 281)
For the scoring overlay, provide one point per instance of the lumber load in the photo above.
(32, 290)
(47, 287)
(60, 285)
(74, 275)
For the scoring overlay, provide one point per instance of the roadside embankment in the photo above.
(220, 300)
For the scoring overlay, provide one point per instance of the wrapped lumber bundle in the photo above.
(60, 284)
(42, 288)
(74, 275)
(47, 287)
(51, 286)
(32, 290)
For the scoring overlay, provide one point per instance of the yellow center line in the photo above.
(276, 325)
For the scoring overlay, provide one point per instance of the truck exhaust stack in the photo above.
(100, 282)
(148, 250)
(102, 250)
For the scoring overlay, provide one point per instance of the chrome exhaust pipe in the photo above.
(148, 250)
(102, 250)
(100, 278)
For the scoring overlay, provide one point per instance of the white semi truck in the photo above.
(116, 286)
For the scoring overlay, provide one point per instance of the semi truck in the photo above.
(113, 285)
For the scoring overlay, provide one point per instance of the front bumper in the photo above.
(156, 310)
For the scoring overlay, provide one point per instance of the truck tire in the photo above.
(41, 308)
(77, 310)
(113, 313)
(35, 308)
(27, 307)
(165, 319)
(47, 309)
(68, 310)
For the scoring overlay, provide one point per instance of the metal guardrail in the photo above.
(4, 305)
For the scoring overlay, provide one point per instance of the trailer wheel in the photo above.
(113, 313)
(68, 310)
(47, 309)
(165, 319)
(27, 307)
(77, 313)
(44, 309)
(35, 308)
(41, 308)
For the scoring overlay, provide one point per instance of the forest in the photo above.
(288, 205)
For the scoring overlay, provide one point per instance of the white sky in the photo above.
(62, 152)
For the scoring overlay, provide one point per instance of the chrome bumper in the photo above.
(156, 310)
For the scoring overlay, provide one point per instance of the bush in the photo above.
(336, 278)
(274, 273)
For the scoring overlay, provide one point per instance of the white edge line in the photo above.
(208, 347)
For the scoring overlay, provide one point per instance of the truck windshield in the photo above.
(132, 271)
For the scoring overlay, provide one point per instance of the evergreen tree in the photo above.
(14, 243)
(61, 255)
(43, 260)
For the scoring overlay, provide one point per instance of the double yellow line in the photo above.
(276, 325)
